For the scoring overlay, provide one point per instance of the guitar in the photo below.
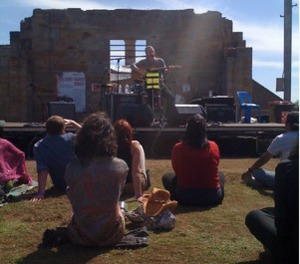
(136, 76)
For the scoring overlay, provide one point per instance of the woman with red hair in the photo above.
(133, 153)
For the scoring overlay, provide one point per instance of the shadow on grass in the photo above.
(263, 191)
(50, 193)
(67, 253)
(181, 209)
(263, 259)
(53, 192)
(259, 261)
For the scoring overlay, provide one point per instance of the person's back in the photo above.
(95, 181)
(53, 153)
(283, 144)
(195, 162)
(94, 191)
(196, 167)
(287, 209)
(132, 152)
(277, 228)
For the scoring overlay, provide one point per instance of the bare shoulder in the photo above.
(135, 144)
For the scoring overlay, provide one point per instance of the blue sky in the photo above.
(259, 20)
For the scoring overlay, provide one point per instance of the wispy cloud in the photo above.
(267, 38)
(58, 4)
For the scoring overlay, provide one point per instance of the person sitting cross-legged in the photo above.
(281, 146)
(95, 179)
(277, 228)
(138, 178)
(197, 179)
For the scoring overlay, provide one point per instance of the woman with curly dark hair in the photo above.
(96, 179)
(195, 161)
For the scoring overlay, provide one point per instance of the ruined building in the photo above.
(53, 42)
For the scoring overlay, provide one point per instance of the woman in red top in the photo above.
(195, 161)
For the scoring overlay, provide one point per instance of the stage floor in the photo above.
(234, 128)
(234, 139)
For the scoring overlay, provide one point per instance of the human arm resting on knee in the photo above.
(264, 158)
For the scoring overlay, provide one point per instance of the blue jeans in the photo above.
(266, 177)
(191, 196)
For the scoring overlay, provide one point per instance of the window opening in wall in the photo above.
(118, 71)
(140, 46)
(122, 54)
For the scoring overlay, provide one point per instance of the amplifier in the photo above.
(188, 109)
(220, 113)
(63, 109)
(179, 114)
(114, 101)
(219, 99)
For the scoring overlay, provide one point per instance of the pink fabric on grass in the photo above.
(12, 163)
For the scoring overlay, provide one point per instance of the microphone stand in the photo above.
(118, 71)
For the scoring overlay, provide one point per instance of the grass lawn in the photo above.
(201, 235)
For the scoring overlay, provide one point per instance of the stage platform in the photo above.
(234, 139)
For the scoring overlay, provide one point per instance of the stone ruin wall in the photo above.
(52, 41)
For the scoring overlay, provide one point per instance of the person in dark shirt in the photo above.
(277, 228)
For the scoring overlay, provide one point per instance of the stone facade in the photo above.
(213, 57)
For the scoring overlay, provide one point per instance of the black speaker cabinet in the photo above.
(63, 109)
(138, 115)
(181, 112)
(220, 113)
(114, 101)
(220, 99)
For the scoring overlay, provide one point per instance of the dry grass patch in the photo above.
(201, 235)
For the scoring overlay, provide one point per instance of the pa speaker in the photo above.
(114, 101)
(138, 115)
(179, 114)
(220, 113)
(63, 109)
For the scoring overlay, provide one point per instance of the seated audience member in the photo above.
(12, 166)
(133, 153)
(96, 179)
(278, 228)
(53, 153)
(281, 146)
(195, 161)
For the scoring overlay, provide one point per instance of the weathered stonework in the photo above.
(52, 41)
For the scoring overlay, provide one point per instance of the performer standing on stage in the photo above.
(151, 62)
(153, 70)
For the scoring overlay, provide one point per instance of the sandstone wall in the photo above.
(52, 41)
